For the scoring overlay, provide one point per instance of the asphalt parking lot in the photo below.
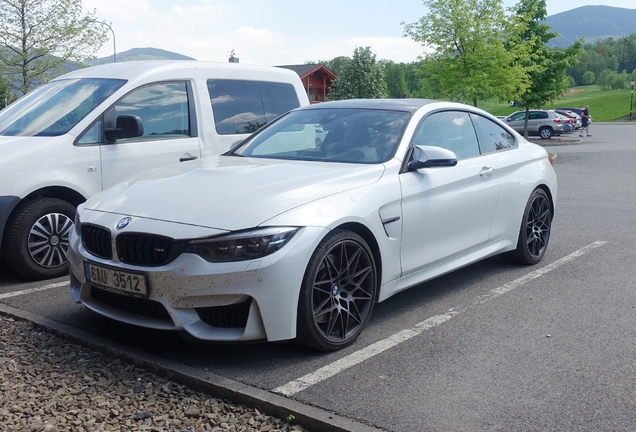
(492, 346)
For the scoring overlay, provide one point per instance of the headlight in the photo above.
(78, 224)
(242, 246)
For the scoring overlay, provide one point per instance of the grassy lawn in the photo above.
(609, 105)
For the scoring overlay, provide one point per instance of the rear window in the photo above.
(241, 106)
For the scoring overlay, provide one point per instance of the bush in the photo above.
(588, 78)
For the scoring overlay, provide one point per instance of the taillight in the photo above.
(550, 159)
(557, 120)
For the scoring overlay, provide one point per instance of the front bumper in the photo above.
(189, 293)
(7, 204)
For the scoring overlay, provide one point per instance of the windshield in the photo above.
(331, 135)
(54, 108)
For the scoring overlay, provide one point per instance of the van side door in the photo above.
(170, 132)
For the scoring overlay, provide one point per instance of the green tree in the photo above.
(362, 78)
(546, 67)
(396, 80)
(602, 79)
(588, 78)
(337, 65)
(6, 93)
(38, 37)
(469, 60)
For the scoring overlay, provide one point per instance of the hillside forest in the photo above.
(609, 63)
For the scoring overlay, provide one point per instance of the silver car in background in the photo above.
(544, 123)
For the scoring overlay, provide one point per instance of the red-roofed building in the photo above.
(316, 78)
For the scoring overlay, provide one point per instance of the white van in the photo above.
(92, 128)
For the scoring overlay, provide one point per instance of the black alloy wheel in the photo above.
(338, 292)
(535, 230)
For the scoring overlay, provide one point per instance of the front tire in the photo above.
(534, 233)
(337, 293)
(37, 238)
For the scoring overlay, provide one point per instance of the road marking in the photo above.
(32, 290)
(304, 382)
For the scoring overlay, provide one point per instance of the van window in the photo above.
(241, 106)
(163, 109)
(54, 108)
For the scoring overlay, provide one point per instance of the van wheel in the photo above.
(36, 241)
(545, 133)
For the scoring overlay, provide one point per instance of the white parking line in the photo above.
(32, 290)
(302, 383)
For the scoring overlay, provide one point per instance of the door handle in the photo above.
(188, 158)
(486, 171)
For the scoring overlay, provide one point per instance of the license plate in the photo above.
(133, 284)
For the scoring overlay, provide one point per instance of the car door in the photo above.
(166, 110)
(517, 121)
(448, 210)
(535, 121)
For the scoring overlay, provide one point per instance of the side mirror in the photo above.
(127, 126)
(431, 157)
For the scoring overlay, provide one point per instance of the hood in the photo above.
(230, 193)
(14, 149)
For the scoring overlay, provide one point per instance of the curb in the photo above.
(312, 418)
(554, 141)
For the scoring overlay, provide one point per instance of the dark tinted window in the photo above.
(491, 136)
(242, 107)
(278, 98)
(162, 107)
(451, 130)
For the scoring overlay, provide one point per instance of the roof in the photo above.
(128, 69)
(307, 69)
(410, 105)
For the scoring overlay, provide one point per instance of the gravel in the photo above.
(49, 384)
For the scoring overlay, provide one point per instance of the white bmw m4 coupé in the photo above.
(300, 229)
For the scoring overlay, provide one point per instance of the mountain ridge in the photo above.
(147, 53)
(591, 23)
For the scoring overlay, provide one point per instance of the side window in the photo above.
(241, 106)
(534, 115)
(519, 116)
(451, 130)
(93, 134)
(163, 109)
(491, 136)
(278, 98)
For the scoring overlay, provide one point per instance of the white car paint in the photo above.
(422, 223)
(81, 161)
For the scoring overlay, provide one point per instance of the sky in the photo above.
(274, 32)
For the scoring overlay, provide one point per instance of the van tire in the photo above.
(36, 238)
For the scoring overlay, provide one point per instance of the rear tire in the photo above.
(534, 233)
(338, 292)
(36, 238)
(545, 133)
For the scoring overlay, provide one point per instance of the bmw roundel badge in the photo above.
(123, 223)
